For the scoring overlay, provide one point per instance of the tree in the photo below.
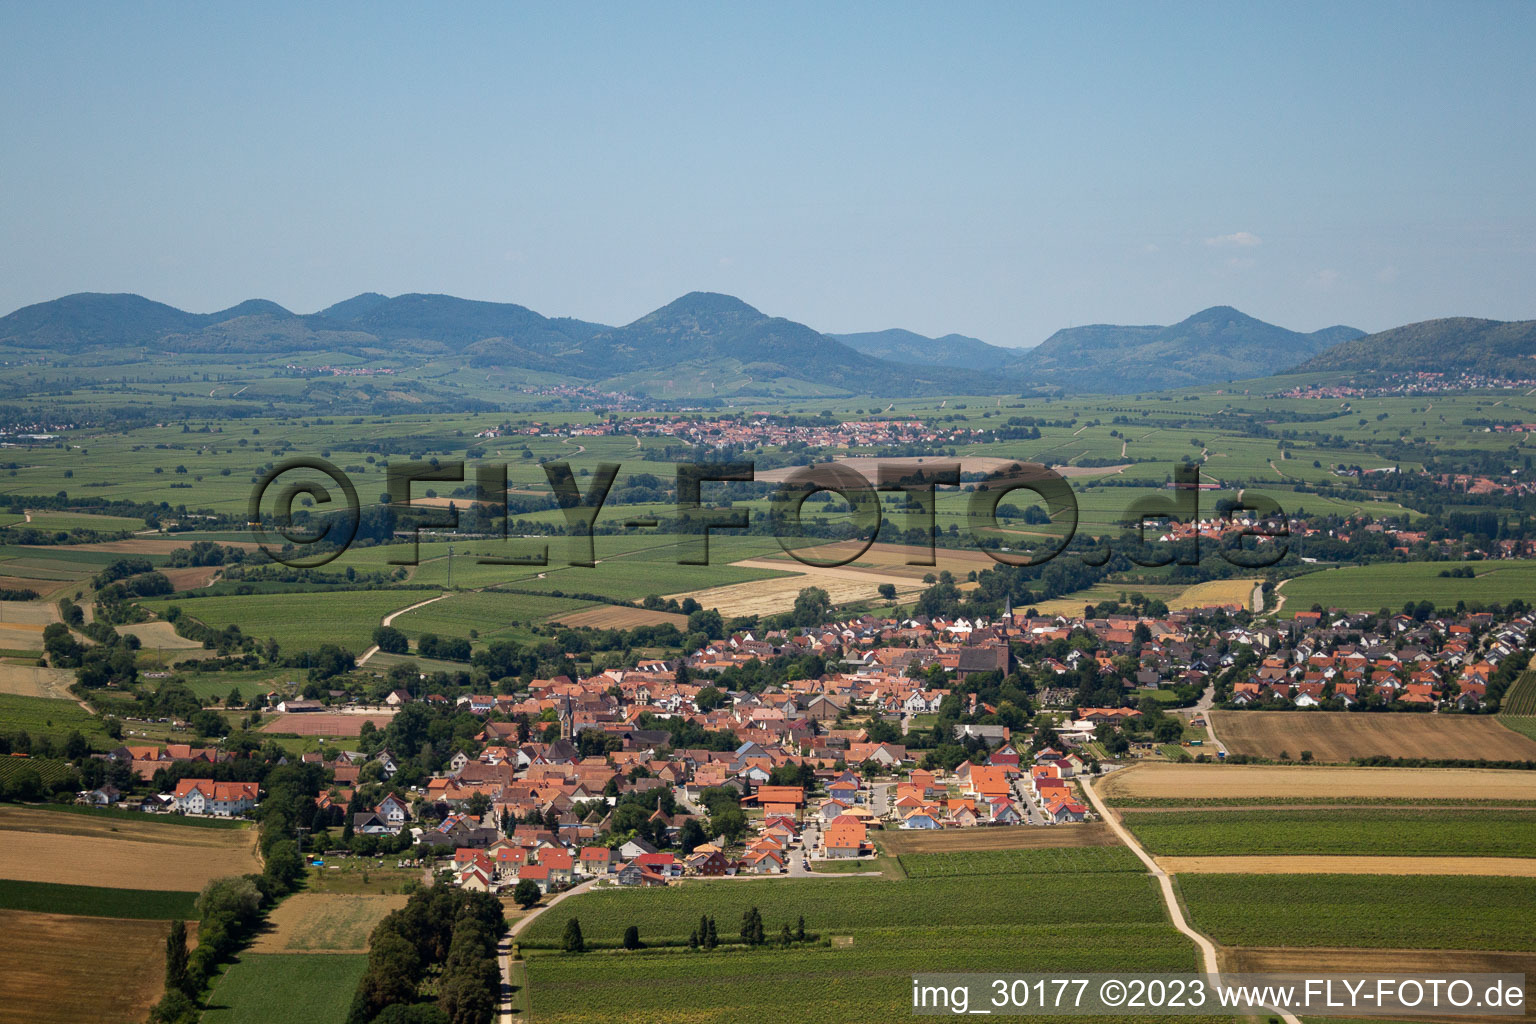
(690, 835)
(632, 937)
(176, 979)
(391, 640)
(711, 939)
(75, 746)
(800, 929)
(786, 937)
(573, 942)
(728, 821)
(752, 927)
(812, 607)
(527, 893)
(887, 591)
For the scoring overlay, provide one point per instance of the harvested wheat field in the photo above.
(1329, 864)
(612, 616)
(161, 636)
(770, 597)
(1207, 781)
(886, 559)
(43, 588)
(1215, 593)
(1009, 837)
(320, 723)
(1340, 736)
(61, 969)
(26, 680)
(314, 922)
(77, 849)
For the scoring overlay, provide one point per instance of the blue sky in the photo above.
(997, 170)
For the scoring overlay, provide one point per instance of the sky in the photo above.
(997, 170)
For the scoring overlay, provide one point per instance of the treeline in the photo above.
(444, 926)
(230, 909)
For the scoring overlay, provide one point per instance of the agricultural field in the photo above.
(1072, 860)
(310, 922)
(1519, 710)
(96, 901)
(610, 616)
(868, 980)
(49, 769)
(1007, 837)
(298, 621)
(1188, 782)
(323, 723)
(1346, 864)
(1335, 736)
(300, 988)
(1368, 588)
(54, 718)
(493, 614)
(1385, 911)
(850, 905)
(61, 969)
(1397, 832)
(41, 846)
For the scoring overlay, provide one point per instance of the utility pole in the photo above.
(450, 566)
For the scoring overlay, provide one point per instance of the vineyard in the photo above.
(1064, 860)
(1519, 708)
(1377, 911)
(1388, 832)
(95, 901)
(854, 904)
(868, 981)
(49, 769)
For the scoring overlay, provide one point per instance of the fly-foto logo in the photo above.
(330, 532)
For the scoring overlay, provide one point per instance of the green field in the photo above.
(300, 621)
(1375, 911)
(1518, 711)
(91, 901)
(304, 988)
(867, 981)
(1370, 587)
(46, 716)
(855, 904)
(126, 815)
(1354, 830)
(1065, 860)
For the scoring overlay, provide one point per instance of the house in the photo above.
(538, 874)
(393, 812)
(204, 796)
(845, 837)
(664, 864)
(597, 860)
(634, 874)
(560, 864)
(367, 823)
(635, 848)
(106, 796)
(1061, 810)
(397, 698)
(710, 865)
(762, 862)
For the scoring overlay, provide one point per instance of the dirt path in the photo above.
(504, 951)
(390, 618)
(1165, 885)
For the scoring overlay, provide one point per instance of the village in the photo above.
(572, 780)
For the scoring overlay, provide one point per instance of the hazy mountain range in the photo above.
(715, 345)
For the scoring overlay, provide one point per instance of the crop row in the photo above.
(1061, 860)
(1401, 833)
(1373, 911)
(867, 981)
(850, 904)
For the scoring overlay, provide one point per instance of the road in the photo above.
(504, 949)
(1165, 885)
(390, 618)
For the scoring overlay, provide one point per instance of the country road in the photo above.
(1165, 885)
(504, 950)
(390, 618)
